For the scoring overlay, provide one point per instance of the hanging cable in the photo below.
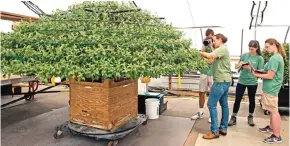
(257, 19)
(193, 23)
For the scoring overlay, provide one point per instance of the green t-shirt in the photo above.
(246, 77)
(276, 64)
(207, 70)
(221, 66)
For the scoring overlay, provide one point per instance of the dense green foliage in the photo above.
(266, 56)
(99, 44)
(286, 69)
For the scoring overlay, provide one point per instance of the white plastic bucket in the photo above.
(152, 108)
(57, 79)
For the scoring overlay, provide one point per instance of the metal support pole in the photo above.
(179, 81)
(201, 34)
(146, 90)
(169, 82)
(242, 41)
(257, 16)
(286, 35)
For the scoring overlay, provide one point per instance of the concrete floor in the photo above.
(23, 110)
(32, 123)
(39, 130)
(239, 135)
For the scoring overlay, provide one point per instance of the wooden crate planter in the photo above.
(103, 105)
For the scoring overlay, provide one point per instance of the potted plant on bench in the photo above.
(102, 48)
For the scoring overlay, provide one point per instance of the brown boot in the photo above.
(222, 132)
(211, 135)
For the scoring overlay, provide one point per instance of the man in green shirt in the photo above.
(205, 81)
(272, 82)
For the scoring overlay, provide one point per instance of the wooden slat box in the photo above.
(103, 105)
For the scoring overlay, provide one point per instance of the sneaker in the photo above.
(197, 116)
(233, 121)
(266, 129)
(209, 120)
(251, 121)
(273, 139)
(211, 135)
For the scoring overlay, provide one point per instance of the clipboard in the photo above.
(243, 63)
(260, 71)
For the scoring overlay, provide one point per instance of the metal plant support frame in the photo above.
(257, 16)
(34, 8)
(262, 18)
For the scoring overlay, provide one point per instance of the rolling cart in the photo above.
(98, 134)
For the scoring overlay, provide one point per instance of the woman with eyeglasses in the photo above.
(272, 83)
(247, 81)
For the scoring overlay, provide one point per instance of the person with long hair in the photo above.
(272, 83)
(248, 80)
(222, 77)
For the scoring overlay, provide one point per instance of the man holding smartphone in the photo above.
(206, 80)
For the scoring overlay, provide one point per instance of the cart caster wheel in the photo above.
(266, 112)
(28, 98)
(58, 134)
(113, 143)
(144, 123)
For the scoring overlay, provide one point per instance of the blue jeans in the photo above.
(219, 93)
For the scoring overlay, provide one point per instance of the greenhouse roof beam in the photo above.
(273, 25)
(16, 17)
(198, 27)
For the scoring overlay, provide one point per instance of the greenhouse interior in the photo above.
(144, 73)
